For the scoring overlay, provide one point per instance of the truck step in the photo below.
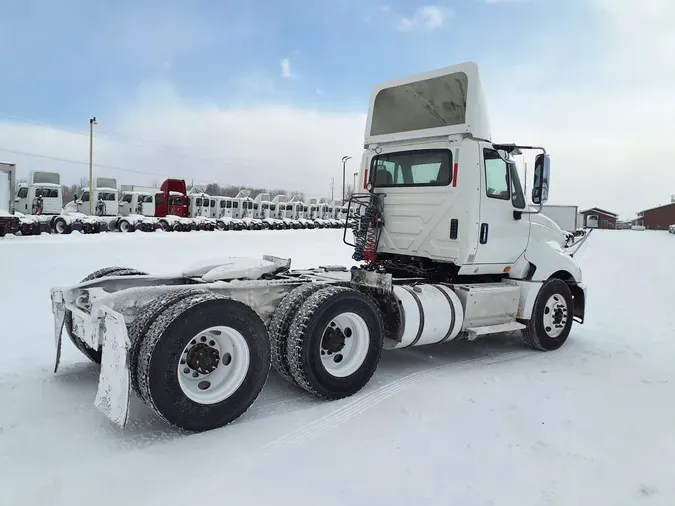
(477, 332)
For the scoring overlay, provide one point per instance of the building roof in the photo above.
(601, 211)
(658, 207)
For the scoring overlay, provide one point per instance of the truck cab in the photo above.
(104, 195)
(447, 198)
(171, 199)
(137, 203)
(199, 204)
(41, 195)
(219, 207)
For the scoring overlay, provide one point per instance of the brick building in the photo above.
(605, 219)
(657, 218)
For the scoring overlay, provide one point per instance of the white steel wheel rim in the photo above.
(353, 344)
(59, 227)
(555, 315)
(233, 362)
(124, 226)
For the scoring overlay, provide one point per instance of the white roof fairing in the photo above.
(441, 102)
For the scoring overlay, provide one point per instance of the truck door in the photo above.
(22, 204)
(502, 235)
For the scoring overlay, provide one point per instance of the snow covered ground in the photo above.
(482, 423)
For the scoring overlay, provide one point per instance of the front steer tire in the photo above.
(161, 352)
(537, 335)
(307, 333)
(88, 351)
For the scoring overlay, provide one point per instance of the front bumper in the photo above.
(104, 328)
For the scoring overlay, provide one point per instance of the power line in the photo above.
(120, 138)
(118, 168)
(115, 136)
(81, 162)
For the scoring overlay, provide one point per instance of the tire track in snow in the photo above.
(368, 400)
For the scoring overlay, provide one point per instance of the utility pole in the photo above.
(92, 122)
(356, 174)
(344, 163)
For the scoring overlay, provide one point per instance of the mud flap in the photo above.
(59, 311)
(114, 385)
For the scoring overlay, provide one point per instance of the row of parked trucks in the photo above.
(37, 206)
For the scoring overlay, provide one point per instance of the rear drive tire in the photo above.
(62, 227)
(220, 340)
(140, 326)
(125, 226)
(335, 342)
(551, 320)
(280, 324)
(88, 351)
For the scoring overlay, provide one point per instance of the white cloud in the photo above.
(609, 129)
(429, 17)
(286, 68)
(271, 147)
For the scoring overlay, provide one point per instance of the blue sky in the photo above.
(69, 58)
(198, 87)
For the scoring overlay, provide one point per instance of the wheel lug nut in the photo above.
(186, 370)
(195, 374)
(212, 343)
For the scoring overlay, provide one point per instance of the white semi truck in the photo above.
(447, 248)
(77, 214)
(567, 218)
(564, 216)
(137, 209)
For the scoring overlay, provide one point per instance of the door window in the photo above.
(497, 184)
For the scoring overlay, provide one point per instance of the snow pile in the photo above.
(488, 422)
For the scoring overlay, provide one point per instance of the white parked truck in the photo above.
(199, 209)
(41, 195)
(137, 209)
(40, 201)
(447, 248)
(105, 197)
(564, 216)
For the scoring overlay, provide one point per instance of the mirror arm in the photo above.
(533, 212)
(510, 148)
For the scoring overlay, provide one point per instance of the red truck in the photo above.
(171, 206)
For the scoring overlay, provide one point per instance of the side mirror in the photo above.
(78, 202)
(542, 171)
(17, 199)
